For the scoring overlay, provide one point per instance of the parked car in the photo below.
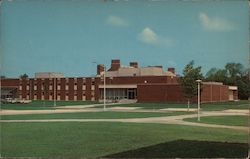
(16, 100)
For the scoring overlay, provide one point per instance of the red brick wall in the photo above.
(39, 89)
(160, 93)
(213, 93)
(173, 93)
(79, 88)
(157, 88)
(71, 88)
(10, 82)
(88, 89)
(63, 91)
(97, 92)
(141, 80)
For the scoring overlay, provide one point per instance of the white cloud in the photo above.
(116, 21)
(215, 23)
(148, 36)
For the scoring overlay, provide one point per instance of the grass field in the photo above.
(44, 105)
(122, 140)
(235, 120)
(244, 104)
(90, 115)
(39, 105)
(101, 139)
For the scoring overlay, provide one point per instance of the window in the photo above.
(84, 87)
(35, 87)
(75, 98)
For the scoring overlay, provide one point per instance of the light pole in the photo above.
(199, 89)
(104, 86)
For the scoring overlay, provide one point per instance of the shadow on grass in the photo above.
(187, 149)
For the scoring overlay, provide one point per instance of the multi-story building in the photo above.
(145, 84)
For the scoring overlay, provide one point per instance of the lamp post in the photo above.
(198, 110)
(104, 86)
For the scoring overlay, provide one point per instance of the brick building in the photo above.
(144, 84)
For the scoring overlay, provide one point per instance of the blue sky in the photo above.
(68, 36)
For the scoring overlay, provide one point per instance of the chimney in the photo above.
(115, 65)
(171, 69)
(100, 68)
(133, 64)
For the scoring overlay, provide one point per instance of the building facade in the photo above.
(144, 84)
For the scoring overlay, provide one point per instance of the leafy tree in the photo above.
(217, 75)
(24, 76)
(243, 83)
(188, 80)
(232, 74)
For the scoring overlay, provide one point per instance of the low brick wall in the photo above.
(173, 93)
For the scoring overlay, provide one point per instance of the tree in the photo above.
(24, 76)
(232, 74)
(188, 80)
(217, 75)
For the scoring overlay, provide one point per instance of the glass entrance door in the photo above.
(131, 93)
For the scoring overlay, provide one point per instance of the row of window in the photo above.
(58, 97)
(66, 93)
(59, 82)
(58, 87)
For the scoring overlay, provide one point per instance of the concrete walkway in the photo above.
(178, 120)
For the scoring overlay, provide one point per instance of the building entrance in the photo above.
(119, 93)
(131, 93)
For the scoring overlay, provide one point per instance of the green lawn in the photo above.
(40, 105)
(244, 104)
(90, 115)
(235, 120)
(98, 139)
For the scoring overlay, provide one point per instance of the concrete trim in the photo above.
(119, 86)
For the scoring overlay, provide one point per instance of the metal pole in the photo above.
(198, 113)
(104, 89)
